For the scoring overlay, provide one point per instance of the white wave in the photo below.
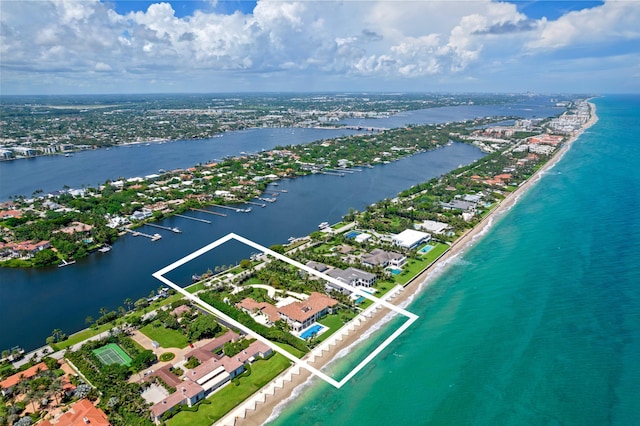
(297, 391)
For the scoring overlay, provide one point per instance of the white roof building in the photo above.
(410, 238)
(432, 226)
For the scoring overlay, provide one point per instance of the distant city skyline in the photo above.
(201, 46)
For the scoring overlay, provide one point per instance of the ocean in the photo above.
(536, 323)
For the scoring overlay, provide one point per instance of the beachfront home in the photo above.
(465, 206)
(301, 315)
(352, 276)
(211, 374)
(187, 392)
(410, 239)
(432, 226)
(382, 258)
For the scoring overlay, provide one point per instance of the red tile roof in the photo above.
(28, 373)
(301, 311)
(81, 413)
(266, 308)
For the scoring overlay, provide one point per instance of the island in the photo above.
(167, 360)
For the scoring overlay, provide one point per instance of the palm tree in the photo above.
(128, 302)
(56, 388)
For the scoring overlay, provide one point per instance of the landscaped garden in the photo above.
(262, 372)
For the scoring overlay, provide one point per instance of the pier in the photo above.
(332, 173)
(166, 228)
(154, 237)
(193, 218)
(278, 190)
(210, 212)
(268, 200)
(339, 171)
(257, 204)
(233, 208)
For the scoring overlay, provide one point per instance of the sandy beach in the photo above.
(259, 408)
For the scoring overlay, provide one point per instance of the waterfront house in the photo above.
(187, 392)
(465, 206)
(352, 276)
(7, 385)
(382, 258)
(300, 315)
(410, 238)
(432, 226)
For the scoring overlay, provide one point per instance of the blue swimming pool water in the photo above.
(425, 249)
(352, 234)
(311, 331)
(395, 271)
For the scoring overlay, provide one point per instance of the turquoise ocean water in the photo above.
(537, 324)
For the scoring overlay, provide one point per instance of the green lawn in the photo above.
(333, 322)
(166, 337)
(293, 351)
(223, 401)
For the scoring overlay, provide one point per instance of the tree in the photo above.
(141, 303)
(44, 257)
(245, 264)
(143, 360)
(89, 320)
(128, 302)
(202, 327)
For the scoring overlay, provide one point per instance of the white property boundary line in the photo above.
(338, 384)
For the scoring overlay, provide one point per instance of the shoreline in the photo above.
(265, 405)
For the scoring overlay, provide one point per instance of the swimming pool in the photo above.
(394, 271)
(311, 331)
(426, 249)
(352, 234)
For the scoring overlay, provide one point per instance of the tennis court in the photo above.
(112, 354)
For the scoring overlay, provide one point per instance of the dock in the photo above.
(268, 200)
(339, 171)
(210, 212)
(193, 218)
(332, 173)
(166, 228)
(278, 190)
(233, 208)
(257, 204)
(154, 237)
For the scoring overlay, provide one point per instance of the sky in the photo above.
(213, 46)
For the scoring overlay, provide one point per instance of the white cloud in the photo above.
(614, 20)
(343, 39)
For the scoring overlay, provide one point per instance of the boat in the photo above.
(176, 230)
(65, 263)
(105, 249)
(156, 237)
(323, 225)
